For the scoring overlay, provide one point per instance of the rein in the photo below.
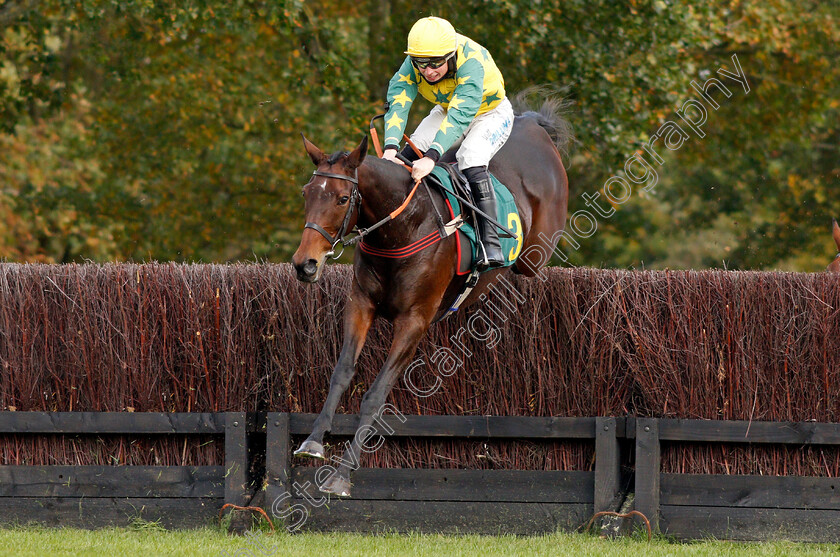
(415, 247)
(355, 204)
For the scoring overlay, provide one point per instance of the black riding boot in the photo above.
(485, 199)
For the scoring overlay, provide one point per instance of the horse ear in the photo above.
(354, 160)
(836, 234)
(315, 154)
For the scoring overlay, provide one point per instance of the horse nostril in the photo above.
(307, 271)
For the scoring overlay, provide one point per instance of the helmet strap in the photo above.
(450, 64)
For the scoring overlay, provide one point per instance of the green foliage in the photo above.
(147, 130)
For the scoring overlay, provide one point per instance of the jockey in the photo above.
(459, 76)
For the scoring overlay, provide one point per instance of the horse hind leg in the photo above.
(357, 321)
(407, 334)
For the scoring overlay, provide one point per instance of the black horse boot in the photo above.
(485, 199)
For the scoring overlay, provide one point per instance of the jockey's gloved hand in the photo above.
(390, 155)
(422, 168)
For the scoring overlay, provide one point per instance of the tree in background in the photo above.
(150, 131)
(183, 125)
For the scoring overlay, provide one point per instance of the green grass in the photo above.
(148, 540)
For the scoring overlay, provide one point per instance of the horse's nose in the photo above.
(307, 270)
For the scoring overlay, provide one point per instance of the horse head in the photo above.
(331, 205)
(834, 266)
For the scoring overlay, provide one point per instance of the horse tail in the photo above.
(549, 114)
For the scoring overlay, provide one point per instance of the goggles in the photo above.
(434, 63)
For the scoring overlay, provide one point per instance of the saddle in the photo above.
(455, 188)
(467, 249)
(458, 197)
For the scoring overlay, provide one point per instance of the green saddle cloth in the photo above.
(506, 213)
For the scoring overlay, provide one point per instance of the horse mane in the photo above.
(335, 157)
(549, 114)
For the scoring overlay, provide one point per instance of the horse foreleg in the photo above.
(358, 317)
(407, 334)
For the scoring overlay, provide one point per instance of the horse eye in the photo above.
(343, 199)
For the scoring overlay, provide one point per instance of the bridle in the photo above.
(444, 229)
(355, 199)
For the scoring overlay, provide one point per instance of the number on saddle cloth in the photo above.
(466, 236)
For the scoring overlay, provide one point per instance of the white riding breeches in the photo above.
(482, 139)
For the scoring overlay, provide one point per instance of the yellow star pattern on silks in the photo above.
(395, 121)
(464, 79)
(406, 78)
(402, 98)
(455, 102)
(445, 125)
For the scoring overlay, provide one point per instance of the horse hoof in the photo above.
(336, 485)
(311, 449)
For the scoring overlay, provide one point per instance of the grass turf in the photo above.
(152, 541)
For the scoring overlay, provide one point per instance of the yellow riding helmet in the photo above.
(431, 37)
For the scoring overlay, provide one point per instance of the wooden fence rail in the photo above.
(745, 507)
(483, 501)
(489, 501)
(686, 506)
(91, 496)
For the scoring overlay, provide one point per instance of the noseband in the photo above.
(355, 199)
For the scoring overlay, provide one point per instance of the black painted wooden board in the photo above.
(112, 422)
(82, 512)
(111, 481)
(648, 460)
(278, 459)
(788, 492)
(351, 515)
(607, 465)
(409, 484)
(482, 427)
(750, 524)
(236, 458)
(798, 433)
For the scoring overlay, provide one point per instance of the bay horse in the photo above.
(834, 266)
(350, 189)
